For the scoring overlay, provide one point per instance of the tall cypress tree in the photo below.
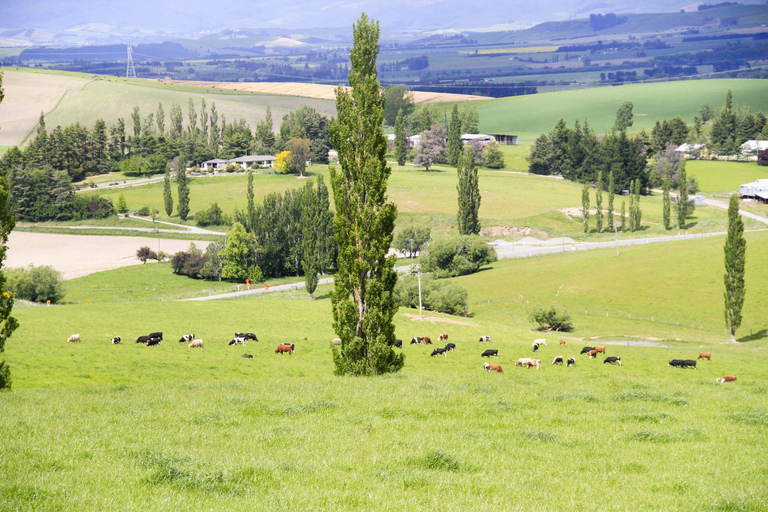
(735, 260)
(455, 146)
(585, 207)
(469, 194)
(666, 204)
(638, 211)
(363, 302)
(599, 202)
(310, 227)
(682, 197)
(183, 185)
(623, 225)
(167, 196)
(401, 138)
(611, 186)
(251, 207)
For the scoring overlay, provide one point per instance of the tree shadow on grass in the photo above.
(763, 333)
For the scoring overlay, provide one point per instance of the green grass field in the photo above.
(96, 426)
(718, 177)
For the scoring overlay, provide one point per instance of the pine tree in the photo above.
(401, 139)
(8, 324)
(666, 205)
(469, 194)
(455, 146)
(611, 186)
(363, 301)
(599, 202)
(167, 196)
(735, 259)
(121, 205)
(183, 187)
(585, 207)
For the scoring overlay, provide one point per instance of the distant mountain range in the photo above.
(68, 21)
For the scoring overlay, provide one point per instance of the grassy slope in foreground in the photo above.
(530, 116)
(98, 426)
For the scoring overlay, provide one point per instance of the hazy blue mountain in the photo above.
(191, 17)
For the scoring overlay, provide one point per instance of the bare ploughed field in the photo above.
(80, 255)
(318, 91)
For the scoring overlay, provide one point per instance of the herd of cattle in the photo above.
(241, 338)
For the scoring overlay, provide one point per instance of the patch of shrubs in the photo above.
(145, 254)
(458, 256)
(550, 319)
(36, 284)
(213, 216)
(439, 296)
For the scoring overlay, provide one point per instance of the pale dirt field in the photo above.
(80, 255)
(26, 95)
(318, 91)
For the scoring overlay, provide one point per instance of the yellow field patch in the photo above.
(515, 49)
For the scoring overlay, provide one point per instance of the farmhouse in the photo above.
(246, 162)
(757, 190)
(690, 150)
(212, 165)
(750, 148)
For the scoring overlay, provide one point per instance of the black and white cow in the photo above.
(246, 335)
(586, 350)
(116, 340)
(399, 343)
(417, 339)
(677, 362)
(535, 346)
(490, 352)
(143, 339)
(156, 335)
(154, 341)
(485, 338)
(558, 360)
(247, 356)
(439, 352)
(237, 340)
(186, 337)
(450, 346)
(613, 360)
(690, 362)
(571, 361)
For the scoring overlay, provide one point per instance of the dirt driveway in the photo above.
(80, 255)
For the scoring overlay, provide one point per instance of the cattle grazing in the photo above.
(705, 355)
(534, 362)
(592, 353)
(443, 337)
(490, 352)
(417, 339)
(196, 343)
(600, 349)
(558, 360)
(142, 339)
(493, 367)
(690, 362)
(246, 335)
(613, 360)
(186, 337)
(535, 346)
(676, 362)
(541, 341)
(336, 341)
(523, 361)
(562, 342)
(116, 340)
(151, 342)
(237, 341)
(427, 341)
(450, 346)
(398, 343)
(727, 378)
(485, 338)
(74, 338)
(571, 361)
(247, 356)
(156, 335)
(439, 352)
(285, 347)
(586, 350)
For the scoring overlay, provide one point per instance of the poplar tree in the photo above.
(599, 202)
(682, 197)
(251, 207)
(167, 196)
(666, 204)
(160, 119)
(623, 225)
(363, 302)
(183, 185)
(455, 146)
(611, 185)
(401, 140)
(585, 207)
(735, 259)
(638, 211)
(310, 226)
(469, 194)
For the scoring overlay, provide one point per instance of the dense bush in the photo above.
(458, 256)
(411, 240)
(145, 253)
(5, 376)
(440, 296)
(550, 319)
(37, 284)
(91, 207)
(213, 216)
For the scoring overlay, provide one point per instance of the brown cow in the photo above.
(534, 362)
(600, 349)
(427, 341)
(443, 337)
(705, 355)
(493, 367)
(285, 347)
(592, 353)
(727, 378)
(562, 342)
